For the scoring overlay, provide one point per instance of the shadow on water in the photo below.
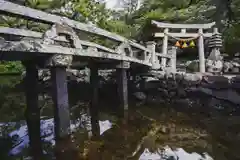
(195, 126)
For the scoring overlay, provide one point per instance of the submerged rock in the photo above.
(140, 95)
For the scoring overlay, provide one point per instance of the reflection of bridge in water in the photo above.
(60, 47)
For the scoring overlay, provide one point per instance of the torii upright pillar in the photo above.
(201, 54)
(165, 47)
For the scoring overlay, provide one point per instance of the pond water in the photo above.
(178, 131)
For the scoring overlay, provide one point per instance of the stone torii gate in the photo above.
(200, 35)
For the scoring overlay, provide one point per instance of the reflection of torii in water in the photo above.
(183, 37)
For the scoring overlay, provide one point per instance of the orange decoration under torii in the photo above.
(181, 43)
(178, 44)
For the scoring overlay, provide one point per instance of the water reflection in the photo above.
(120, 140)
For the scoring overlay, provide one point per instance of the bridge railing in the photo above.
(126, 50)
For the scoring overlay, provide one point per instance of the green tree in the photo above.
(225, 13)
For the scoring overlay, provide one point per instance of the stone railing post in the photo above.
(173, 60)
(151, 45)
(201, 52)
(164, 47)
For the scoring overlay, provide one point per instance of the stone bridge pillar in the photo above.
(93, 108)
(122, 83)
(60, 100)
(58, 65)
(32, 112)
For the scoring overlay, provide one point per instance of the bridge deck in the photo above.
(23, 50)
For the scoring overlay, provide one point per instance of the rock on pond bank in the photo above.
(182, 85)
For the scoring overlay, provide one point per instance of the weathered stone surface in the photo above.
(217, 66)
(192, 66)
(25, 45)
(140, 95)
(227, 66)
(227, 95)
(214, 66)
(215, 55)
(62, 29)
(235, 70)
(223, 88)
(235, 83)
(192, 77)
(217, 80)
(75, 75)
(60, 60)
